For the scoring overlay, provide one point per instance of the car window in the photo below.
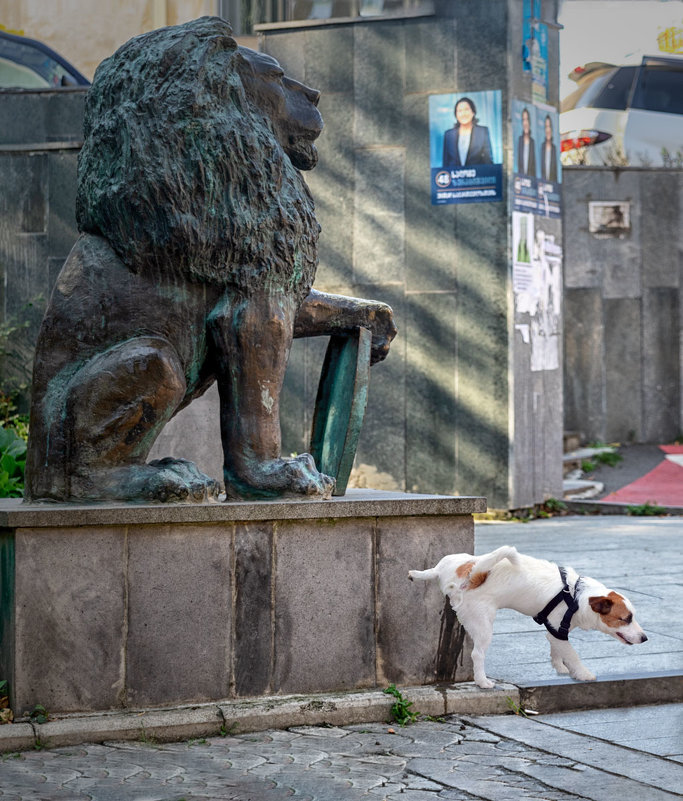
(27, 64)
(614, 93)
(660, 88)
(591, 88)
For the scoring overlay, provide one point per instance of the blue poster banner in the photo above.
(466, 147)
(537, 169)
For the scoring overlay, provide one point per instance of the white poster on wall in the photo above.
(537, 286)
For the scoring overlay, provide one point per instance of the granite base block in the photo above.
(108, 607)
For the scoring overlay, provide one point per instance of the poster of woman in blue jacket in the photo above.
(466, 147)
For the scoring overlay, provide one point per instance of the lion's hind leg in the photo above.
(116, 406)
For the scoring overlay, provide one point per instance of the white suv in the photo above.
(625, 116)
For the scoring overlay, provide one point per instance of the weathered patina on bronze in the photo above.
(195, 263)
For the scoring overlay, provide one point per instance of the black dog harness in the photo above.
(572, 605)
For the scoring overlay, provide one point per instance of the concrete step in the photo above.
(581, 488)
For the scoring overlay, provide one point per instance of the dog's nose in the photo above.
(643, 637)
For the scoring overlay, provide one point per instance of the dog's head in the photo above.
(616, 617)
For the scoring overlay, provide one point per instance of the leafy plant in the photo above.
(645, 509)
(519, 710)
(39, 714)
(400, 710)
(587, 466)
(610, 458)
(555, 505)
(12, 463)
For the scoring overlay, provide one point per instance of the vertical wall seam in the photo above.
(273, 579)
(123, 693)
(375, 600)
(232, 637)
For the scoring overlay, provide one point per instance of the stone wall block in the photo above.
(379, 221)
(70, 618)
(660, 216)
(661, 365)
(411, 653)
(431, 417)
(426, 73)
(429, 252)
(178, 638)
(379, 52)
(329, 59)
(324, 611)
(584, 364)
(61, 222)
(253, 651)
(623, 370)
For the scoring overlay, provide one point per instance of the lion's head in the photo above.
(191, 159)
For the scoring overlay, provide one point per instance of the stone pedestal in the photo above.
(107, 607)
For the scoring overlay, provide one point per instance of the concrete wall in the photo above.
(456, 407)
(623, 307)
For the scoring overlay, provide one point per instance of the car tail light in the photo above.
(576, 139)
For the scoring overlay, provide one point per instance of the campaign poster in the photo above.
(525, 147)
(549, 168)
(466, 147)
(537, 287)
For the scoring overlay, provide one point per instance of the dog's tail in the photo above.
(423, 575)
(486, 561)
(478, 570)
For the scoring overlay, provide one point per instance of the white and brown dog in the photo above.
(557, 597)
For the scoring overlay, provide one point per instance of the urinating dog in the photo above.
(556, 597)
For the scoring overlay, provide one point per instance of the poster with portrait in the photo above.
(536, 154)
(524, 147)
(548, 161)
(466, 147)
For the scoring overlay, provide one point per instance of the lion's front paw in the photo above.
(383, 328)
(278, 477)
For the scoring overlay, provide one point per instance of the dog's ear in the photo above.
(600, 604)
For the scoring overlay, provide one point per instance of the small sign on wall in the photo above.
(609, 217)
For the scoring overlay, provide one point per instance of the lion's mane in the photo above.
(183, 174)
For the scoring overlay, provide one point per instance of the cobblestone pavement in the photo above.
(498, 758)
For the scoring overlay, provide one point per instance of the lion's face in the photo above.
(290, 105)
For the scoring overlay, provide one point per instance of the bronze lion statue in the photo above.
(195, 262)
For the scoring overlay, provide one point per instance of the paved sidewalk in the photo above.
(618, 755)
(639, 556)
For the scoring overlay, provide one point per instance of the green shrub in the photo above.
(12, 463)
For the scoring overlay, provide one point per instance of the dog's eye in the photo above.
(628, 619)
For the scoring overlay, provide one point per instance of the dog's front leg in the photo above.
(565, 660)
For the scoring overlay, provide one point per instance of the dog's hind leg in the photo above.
(478, 623)
(565, 660)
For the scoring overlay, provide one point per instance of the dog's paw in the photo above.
(485, 684)
(583, 674)
(561, 668)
